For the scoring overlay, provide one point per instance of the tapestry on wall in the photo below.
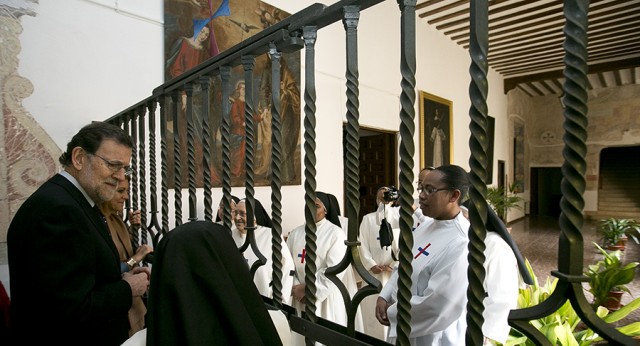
(197, 30)
(518, 157)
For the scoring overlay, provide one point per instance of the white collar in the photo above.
(75, 183)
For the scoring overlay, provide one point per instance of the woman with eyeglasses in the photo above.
(263, 245)
(439, 265)
(232, 206)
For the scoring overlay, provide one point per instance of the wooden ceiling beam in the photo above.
(510, 83)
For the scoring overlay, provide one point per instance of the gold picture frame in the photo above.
(436, 130)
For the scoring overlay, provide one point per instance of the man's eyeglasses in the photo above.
(116, 166)
(431, 190)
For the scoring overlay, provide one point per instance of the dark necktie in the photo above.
(102, 218)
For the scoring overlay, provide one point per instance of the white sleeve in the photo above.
(365, 240)
(290, 246)
(392, 214)
(387, 290)
(501, 285)
(288, 273)
(444, 299)
(418, 216)
(335, 250)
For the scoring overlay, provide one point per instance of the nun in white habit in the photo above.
(331, 248)
(263, 241)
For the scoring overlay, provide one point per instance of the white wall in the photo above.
(88, 62)
(442, 69)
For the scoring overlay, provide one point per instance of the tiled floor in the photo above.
(537, 238)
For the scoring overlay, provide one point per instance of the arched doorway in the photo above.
(619, 182)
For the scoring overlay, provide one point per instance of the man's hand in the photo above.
(138, 280)
(381, 311)
(145, 270)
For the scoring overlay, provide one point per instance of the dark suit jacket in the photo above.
(66, 286)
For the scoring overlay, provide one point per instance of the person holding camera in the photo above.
(378, 241)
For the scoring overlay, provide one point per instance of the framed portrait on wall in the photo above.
(436, 135)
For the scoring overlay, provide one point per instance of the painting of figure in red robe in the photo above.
(199, 30)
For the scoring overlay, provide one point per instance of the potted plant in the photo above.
(608, 278)
(502, 201)
(563, 326)
(615, 232)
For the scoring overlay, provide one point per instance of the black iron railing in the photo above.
(299, 32)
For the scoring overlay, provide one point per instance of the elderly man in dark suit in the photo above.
(66, 285)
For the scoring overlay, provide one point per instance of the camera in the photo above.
(391, 195)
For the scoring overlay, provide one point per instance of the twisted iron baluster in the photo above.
(225, 75)
(143, 177)
(127, 203)
(478, 88)
(177, 169)
(191, 154)
(205, 82)
(164, 166)
(570, 248)
(309, 34)
(153, 227)
(352, 166)
(133, 186)
(276, 179)
(407, 129)
(249, 63)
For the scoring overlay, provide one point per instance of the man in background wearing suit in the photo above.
(66, 285)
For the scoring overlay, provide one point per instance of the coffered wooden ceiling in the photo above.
(526, 37)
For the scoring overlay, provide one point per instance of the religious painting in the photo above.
(436, 133)
(197, 30)
(518, 157)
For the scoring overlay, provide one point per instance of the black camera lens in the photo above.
(391, 195)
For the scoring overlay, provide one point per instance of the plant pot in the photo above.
(615, 247)
(614, 300)
(622, 241)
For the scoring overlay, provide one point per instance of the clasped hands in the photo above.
(379, 268)
(297, 291)
(138, 280)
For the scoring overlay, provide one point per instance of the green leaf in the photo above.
(565, 337)
(623, 311)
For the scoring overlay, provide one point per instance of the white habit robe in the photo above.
(501, 284)
(263, 276)
(439, 284)
(372, 254)
(330, 250)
